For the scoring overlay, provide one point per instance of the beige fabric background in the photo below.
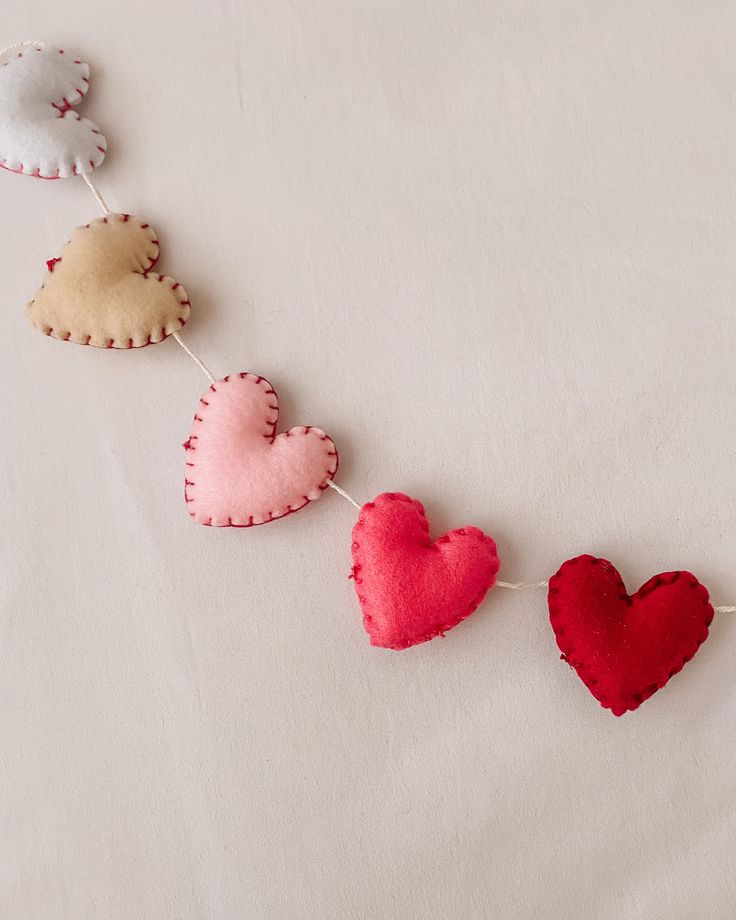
(489, 246)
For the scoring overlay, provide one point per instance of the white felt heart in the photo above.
(40, 133)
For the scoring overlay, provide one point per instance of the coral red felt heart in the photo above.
(626, 647)
(239, 471)
(412, 588)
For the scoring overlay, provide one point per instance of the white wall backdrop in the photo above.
(488, 246)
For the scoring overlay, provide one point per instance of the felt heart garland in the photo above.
(101, 291)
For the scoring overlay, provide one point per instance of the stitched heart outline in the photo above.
(41, 134)
(412, 588)
(240, 473)
(626, 647)
(102, 291)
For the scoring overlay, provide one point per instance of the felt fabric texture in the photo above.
(101, 290)
(239, 471)
(412, 588)
(40, 133)
(625, 648)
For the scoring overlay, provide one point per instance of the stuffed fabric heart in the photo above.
(101, 290)
(40, 133)
(410, 587)
(239, 471)
(625, 648)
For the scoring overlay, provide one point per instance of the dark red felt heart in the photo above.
(625, 648)
(413, 588)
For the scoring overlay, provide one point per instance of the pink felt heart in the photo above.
(410, 587)
(239, 471)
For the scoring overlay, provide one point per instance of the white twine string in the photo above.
(336, 487)
(96, 192)
(24, 44)
(198, 361)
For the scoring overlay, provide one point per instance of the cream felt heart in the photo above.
(239, 471)
(101, 290)
(40, 133)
